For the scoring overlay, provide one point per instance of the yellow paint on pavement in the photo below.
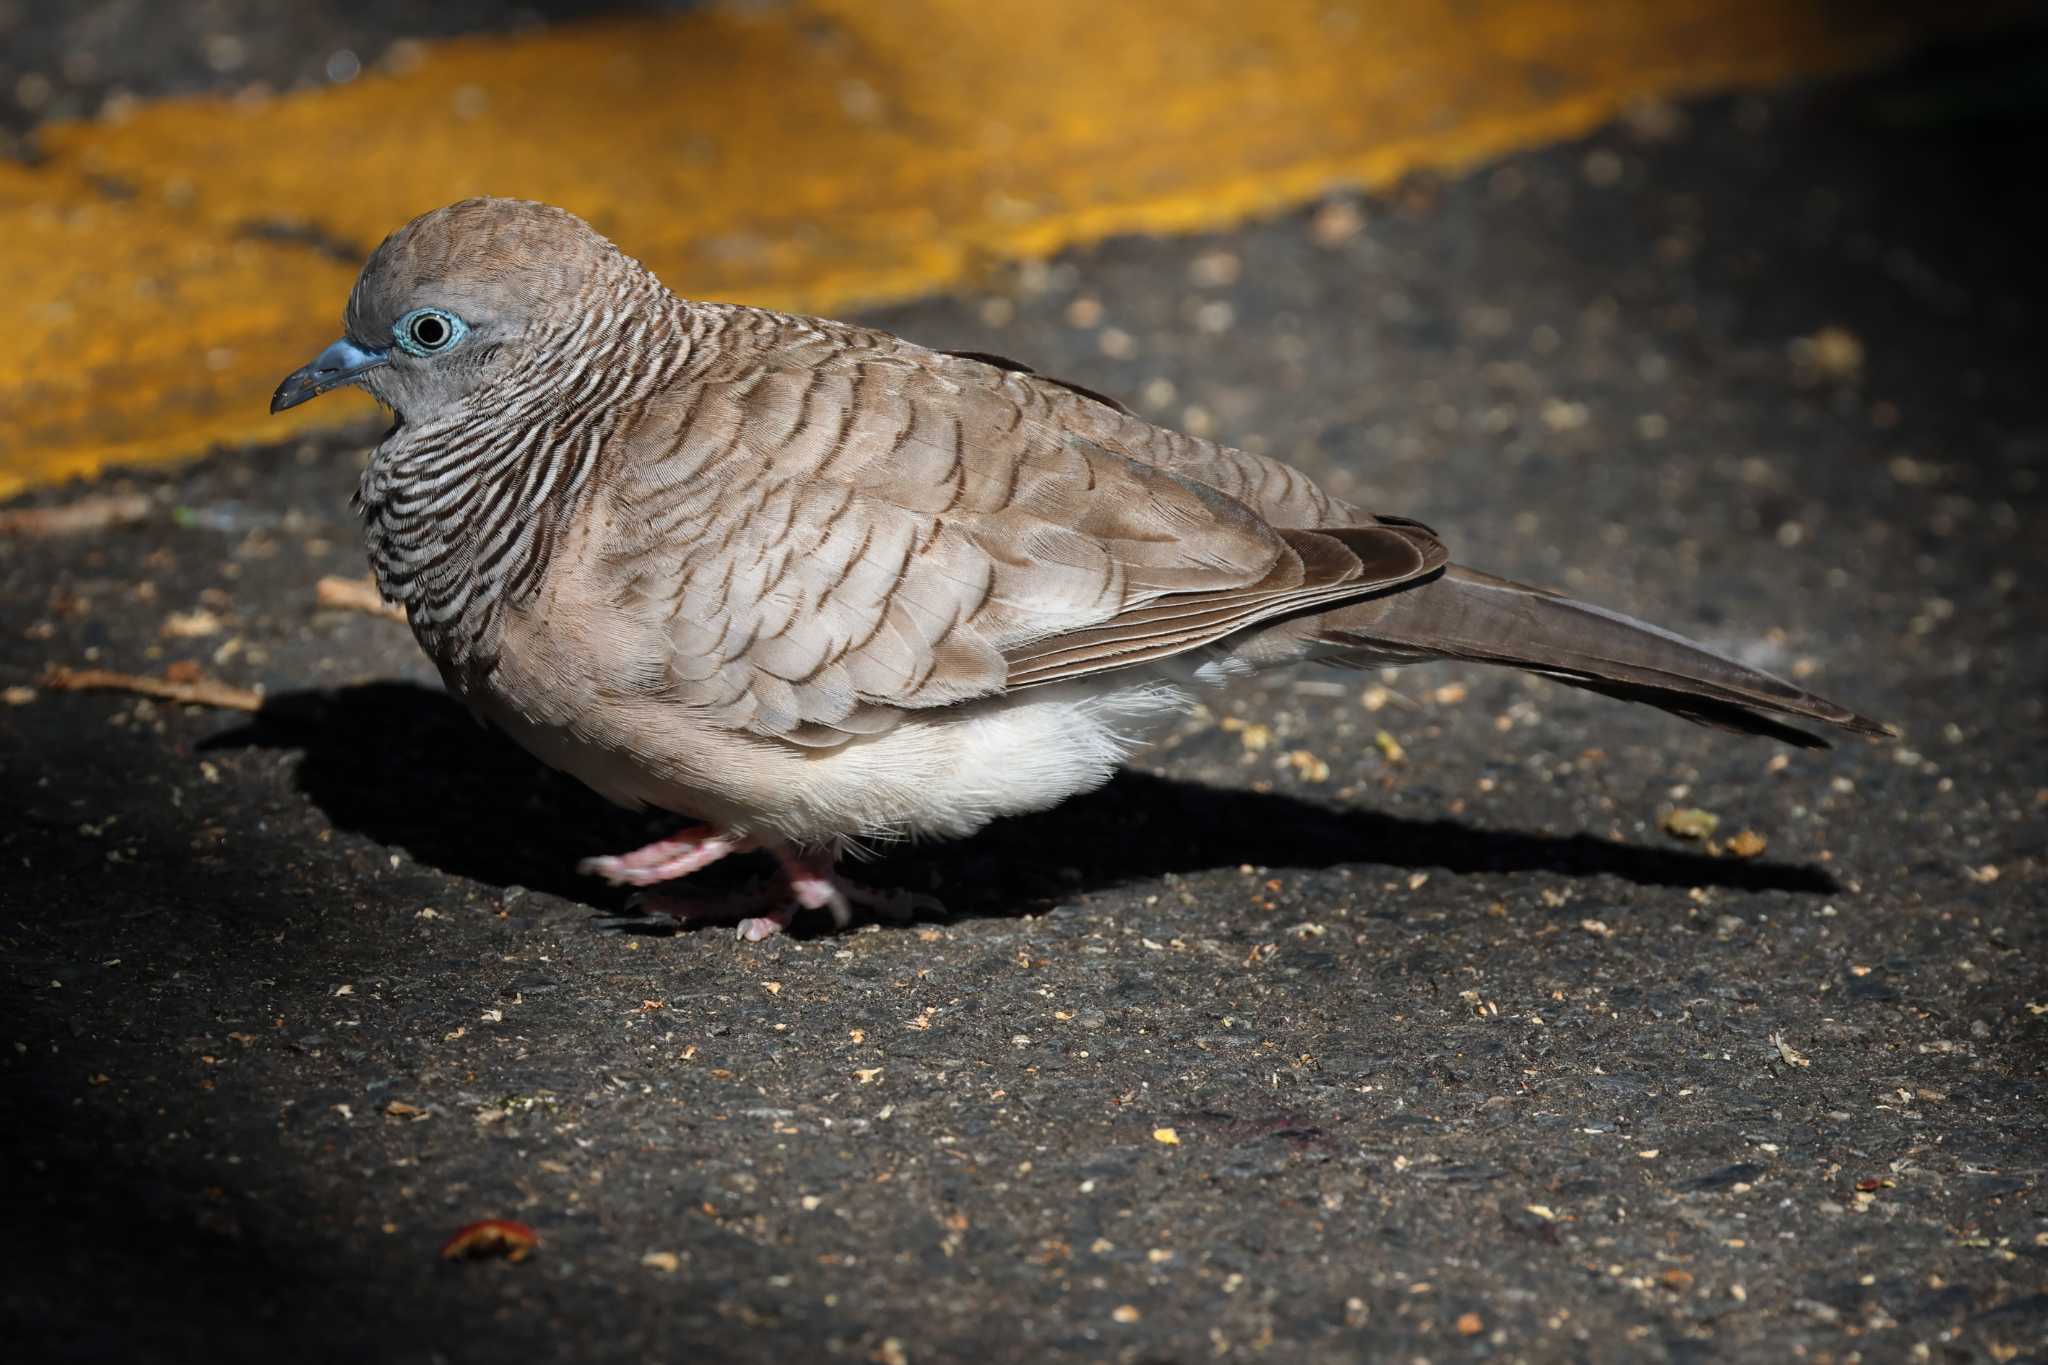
(160, 274)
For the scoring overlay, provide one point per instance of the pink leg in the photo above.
(763, 910)
(814, 885)
(810, 888)
(679, 855)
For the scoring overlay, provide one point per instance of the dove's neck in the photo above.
(463, 513)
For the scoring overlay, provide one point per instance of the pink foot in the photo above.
(755, 928)
(758, 911)
(816, 886)
(764, 909)
(697, 847)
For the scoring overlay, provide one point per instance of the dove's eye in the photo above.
(428, 331)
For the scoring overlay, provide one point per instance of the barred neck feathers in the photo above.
(463, 513)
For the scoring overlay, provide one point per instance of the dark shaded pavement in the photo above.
(1274, 1048)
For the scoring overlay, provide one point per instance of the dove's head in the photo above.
(456, 299)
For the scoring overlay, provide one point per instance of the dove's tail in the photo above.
(1464, 614)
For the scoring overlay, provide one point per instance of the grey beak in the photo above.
(339, 364)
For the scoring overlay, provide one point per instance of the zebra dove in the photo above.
(808, 584)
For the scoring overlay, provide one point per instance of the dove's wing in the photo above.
(844, 527)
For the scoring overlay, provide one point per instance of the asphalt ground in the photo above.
(810, 155)
(72, 59)
(1278, 1047)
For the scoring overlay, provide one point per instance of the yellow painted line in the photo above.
(811, 155)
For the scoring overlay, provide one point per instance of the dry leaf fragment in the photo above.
(1691, 823)
(1166, 1137)
(75, 518)
(184, 685)
(355, 594)
(1390, 748)
(1746, 844)
(399, 1109)
(665, 1261)
(1470, 1325)
(1786, 1051)
(1253, 735)
(190, 625)
(1311, 768)
(492, 1237)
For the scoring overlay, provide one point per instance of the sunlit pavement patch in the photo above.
(162, 272)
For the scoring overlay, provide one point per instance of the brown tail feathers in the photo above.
(1464, 614)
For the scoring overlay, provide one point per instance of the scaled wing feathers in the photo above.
(848, 530)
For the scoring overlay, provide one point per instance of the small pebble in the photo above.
(1336, 223)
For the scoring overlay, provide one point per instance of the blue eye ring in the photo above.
(428, 331)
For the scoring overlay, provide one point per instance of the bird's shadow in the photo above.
(408, 767)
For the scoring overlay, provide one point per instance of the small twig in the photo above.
(355, 594)
(197, 691)
(75, 518)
